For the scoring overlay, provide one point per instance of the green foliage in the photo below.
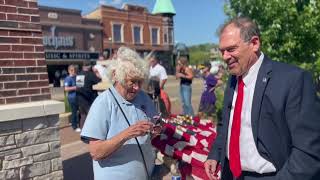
(219, 103)
(200, 53)
(219, 91)
(289, 29)
(66, 103)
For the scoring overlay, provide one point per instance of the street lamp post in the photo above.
(110, 47)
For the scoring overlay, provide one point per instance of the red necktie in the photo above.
(234, 146)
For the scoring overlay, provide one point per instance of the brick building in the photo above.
(68, 38)
(135, 27)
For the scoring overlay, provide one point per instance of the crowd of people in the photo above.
(81, 94)
(269, 128)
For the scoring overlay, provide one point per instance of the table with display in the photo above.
(188, 140)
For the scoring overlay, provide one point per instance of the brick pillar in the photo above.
(23, 71)
(29, 122)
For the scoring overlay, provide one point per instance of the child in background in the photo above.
(70, 87)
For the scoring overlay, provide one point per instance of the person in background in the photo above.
(100, 71)
(119, 121)
(157, 79)
(270, 128)
(208, 97)
(157, 70)
(101, 58)
(85, 93)
(220, 73)
(114, 54)
(185, 74)
(56, 79)
(64, 73)
(70, 87)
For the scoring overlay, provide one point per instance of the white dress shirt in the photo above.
(250, 158)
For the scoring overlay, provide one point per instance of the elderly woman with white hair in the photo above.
(119, 121)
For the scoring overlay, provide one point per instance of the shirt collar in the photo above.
(119, 98)
(154, 66)
(253, 71)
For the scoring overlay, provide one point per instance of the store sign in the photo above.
(57, 41)
(71, 55)
(52, 15)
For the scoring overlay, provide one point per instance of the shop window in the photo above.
(155, 36)
(165, 37)
(117, 30)
(137, 34)
(171, 36)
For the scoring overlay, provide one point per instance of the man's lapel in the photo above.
(263, 77)
(228, 100)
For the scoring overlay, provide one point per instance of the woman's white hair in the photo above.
(128, 63)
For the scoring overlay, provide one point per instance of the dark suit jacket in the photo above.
(285, 121)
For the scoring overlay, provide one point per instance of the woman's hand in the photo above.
(100, 149)
(180, 75)
(140, 128)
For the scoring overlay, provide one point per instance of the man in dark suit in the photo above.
(270, 126)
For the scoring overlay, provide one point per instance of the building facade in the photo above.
(135, 27)
(68, 38)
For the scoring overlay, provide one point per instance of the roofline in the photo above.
(109, 6)
(59, 9)
(134, 5)
(122, 8)
(68, 25)
(97, 8)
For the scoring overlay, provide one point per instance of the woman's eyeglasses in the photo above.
(133, 83)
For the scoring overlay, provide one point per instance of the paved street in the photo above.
(76, 160)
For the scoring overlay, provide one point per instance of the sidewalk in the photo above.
(77, 163)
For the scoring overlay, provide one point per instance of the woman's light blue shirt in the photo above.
(106, 120)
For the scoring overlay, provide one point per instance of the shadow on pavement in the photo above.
(79, 167)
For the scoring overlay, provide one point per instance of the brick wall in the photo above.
(23, 71)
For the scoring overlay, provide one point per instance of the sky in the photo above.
(195, 22)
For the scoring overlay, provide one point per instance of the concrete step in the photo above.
(64, 119)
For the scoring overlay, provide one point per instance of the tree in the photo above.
(289, 29)
(200, 53)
